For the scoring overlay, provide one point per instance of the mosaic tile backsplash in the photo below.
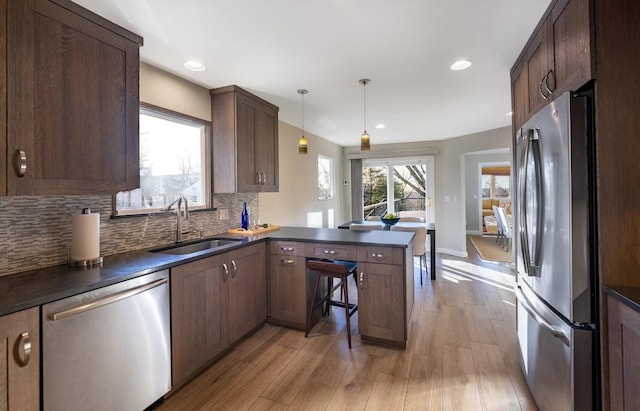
(35, 232)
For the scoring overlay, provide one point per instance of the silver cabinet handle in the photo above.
(264, 178)
(287, 248)
(546, 83)
(225, 276)
(259, 177)
(540, 87)
(235, 269)
(21, 163)
(329, 252)
(361, 280)
(23, 344)
(374, 255)
(106, 300)
(287, 261)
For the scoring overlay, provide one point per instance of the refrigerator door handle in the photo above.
(522, 177)
(531, 147)
(555, 331)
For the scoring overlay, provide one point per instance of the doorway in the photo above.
(402, 186)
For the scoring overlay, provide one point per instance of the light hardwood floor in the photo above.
(461, 356)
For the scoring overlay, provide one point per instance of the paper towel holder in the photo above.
(83, 263)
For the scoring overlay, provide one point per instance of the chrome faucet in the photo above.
(179, 201)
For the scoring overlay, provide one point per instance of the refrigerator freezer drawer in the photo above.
(555, 357)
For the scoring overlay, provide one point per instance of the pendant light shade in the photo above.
(302, 142)
(365, 143)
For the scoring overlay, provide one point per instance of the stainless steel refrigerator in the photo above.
(556, 255)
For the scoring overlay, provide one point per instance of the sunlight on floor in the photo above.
(456, 271)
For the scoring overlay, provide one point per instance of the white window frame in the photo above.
(174, 116)
(331, 179)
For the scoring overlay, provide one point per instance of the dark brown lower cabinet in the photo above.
(247, 289)
(20, 361)
(287, 290)
(381, 302)
(214, 302)
(624, 356)
(199, 315)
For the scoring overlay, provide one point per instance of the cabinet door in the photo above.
(287, 290)
(247, 174)
(73, 104)
(266, 145)
(247, 289)
(3, 97)
(19, 367)
(572, 51)
(520, 98)
(539, 61)
(380, 300)
(199, 301)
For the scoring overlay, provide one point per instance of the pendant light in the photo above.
(365, 144)
(302, 142)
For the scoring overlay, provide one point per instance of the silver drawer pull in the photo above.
(21, 163)
(235, 268)
(287, 248)
(23, 344)
(377, 255)
(106, 300)
(329, 252)
(287, 261)
(362, 281)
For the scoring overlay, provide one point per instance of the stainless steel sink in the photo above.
(182, 249)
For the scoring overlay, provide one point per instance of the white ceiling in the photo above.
(273, 48)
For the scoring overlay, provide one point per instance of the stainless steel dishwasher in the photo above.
(108, 349)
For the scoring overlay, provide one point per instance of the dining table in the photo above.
(431, 232)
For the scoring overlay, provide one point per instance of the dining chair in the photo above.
(411, 220)
(419, 243)
(506, 227)
(365, 227)
(500, 235)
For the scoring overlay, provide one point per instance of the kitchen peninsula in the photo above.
(270, 273)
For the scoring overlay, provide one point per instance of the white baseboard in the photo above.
(452, 252)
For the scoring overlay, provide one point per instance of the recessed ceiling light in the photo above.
(461, 65)
(194, 65)
(510, 113)
(379, 126)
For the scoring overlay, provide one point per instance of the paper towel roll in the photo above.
(85, 237)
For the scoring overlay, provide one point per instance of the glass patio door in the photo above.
(399, 186)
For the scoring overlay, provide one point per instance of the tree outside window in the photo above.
(325, 177)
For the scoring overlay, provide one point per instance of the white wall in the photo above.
(450, 182)
(297, 201)
(165, 90)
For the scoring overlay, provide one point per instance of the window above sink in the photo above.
(174, 161)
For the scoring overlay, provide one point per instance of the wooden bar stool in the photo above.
(332, 269)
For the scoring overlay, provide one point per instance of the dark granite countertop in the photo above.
(629, 296)
(32, 288)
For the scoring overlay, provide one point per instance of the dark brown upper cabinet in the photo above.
(245, 142)
(559, 57)
(71, 81)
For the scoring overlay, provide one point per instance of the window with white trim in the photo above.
(174, 162)
(325, 177)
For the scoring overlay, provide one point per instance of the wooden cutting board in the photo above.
(252, 232)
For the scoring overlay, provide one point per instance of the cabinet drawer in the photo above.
(291, 248)
(381, 255)
(332, 251)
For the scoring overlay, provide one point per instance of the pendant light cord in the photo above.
(364, 88)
